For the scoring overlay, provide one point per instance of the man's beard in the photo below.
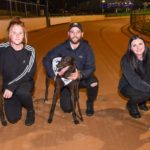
(76, 41)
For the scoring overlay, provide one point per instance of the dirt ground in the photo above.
(111, 128)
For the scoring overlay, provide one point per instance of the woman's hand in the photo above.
(7, 94)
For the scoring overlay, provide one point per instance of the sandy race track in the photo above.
(111, 128)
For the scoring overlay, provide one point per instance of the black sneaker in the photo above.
(133, 110)
(90, 109)
(143, 106)
(30, 119)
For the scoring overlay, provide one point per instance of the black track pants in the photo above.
(22, 97)
(92, 92)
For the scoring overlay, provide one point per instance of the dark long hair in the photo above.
(132, 57)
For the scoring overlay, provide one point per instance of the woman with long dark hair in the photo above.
(135, 80)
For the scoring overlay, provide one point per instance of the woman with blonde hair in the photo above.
(17, 64)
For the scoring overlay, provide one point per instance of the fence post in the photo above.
(37, 5)
(16, 8)
(26, 11)
(10, 7)
(47, 14)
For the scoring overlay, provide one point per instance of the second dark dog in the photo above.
(72, 86)
(2, 116)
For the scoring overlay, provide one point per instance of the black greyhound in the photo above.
(72, 86)
(2, 116)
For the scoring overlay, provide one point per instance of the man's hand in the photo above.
(63, 70)
(7, 94)
(75, 75)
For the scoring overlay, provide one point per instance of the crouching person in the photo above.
(135, 80)
(75, 46)
(18, 68)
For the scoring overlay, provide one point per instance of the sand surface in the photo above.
(111, 128)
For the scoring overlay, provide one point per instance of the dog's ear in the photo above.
(68, 59)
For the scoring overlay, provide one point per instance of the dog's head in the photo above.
(67, 62)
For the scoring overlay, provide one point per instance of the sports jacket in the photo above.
(83, 55)
(131, 77)
(16, 66)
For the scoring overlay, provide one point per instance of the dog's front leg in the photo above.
(74, 115)
(58, 85)
(76, 91)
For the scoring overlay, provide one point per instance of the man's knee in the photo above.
(94, 84)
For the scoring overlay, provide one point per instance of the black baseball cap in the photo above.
(76, 24)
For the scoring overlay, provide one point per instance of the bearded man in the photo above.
(78, 48)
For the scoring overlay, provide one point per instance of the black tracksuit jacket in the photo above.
(16, 66)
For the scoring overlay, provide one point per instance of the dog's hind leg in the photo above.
(56, 93)
(51, 114)
(47, 82)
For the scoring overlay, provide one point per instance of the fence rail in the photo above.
(18, 8)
